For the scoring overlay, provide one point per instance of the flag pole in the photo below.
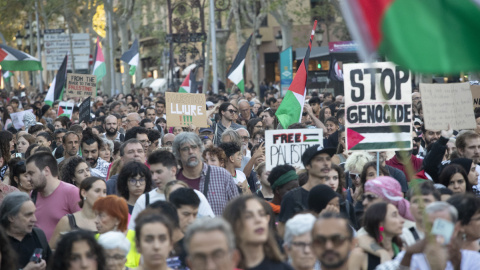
(39, 48)
(110, 44)
(213, 34)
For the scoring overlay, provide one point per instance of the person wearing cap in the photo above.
(206, 132)
(210, 105)
(317, 161)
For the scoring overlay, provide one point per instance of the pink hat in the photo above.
(390, 190)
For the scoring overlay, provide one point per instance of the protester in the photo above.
(468, 208)
(281, 180)
(23, 142)
(91, 189)
(74, 170)
(18, 177)
(134, 180)
(249, 219)
(297, 242)
(116, 247)
(455, 178)
(111, 214)
(91, 145)
(78, 250)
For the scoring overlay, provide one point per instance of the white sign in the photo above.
(17, 119)
(378, 107)
(286, 146)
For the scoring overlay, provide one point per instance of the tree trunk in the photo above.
(206, 64)
(126, 78)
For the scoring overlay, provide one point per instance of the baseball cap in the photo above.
(314, 150)
(206, 129)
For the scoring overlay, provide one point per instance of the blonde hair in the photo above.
(169, 185)
(357, 160)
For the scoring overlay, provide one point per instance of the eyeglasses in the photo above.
(232, 111)
(134, 182)
(116, 257)
(147, 142)
(168, 143)
(301, 245)
(187, 148)
(245, 138)
(336, 240)
(354, 175)
(369, 197)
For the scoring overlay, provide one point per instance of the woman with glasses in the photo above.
(298, 240)
(116, 247)
(78, 250)
(249, 218)
(384, 223)
(134, 180)
(254, 125)
(91, 189)
(353, 167)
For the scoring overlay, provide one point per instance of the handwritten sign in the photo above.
(286, 146)
(184, 109)
(81, 85)
(378, 106)
(17, 119)
(449, 103)
(476, 95)
(84, 113)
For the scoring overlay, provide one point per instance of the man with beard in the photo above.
(332, 241)
(214, 182)
(429, 137)
(71, 143)
(160, 108)
(111, 129)
(317, 161)
(91, 145)
(52, 197)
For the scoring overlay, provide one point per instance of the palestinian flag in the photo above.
(65, 109)
(188, 84)
(6, 75)
(131, 57)
(99, 68)
(428, 36)
(15, 60)
(291, 108)
(235, 74)
(55, 92)
(379, 138)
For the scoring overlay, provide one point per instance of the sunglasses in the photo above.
(369, 197)
(416, 139)
(336, 239)
(232, 111)
(354, 175)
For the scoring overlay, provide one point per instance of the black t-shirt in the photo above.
(25, 248)
(177, 259)
(296, 200)
(270, 265)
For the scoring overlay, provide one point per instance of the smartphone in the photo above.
(37, 255)
(443, 230)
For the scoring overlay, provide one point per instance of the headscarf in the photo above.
(466, 163)
(390, 190)
(319, 197)
(29, 119)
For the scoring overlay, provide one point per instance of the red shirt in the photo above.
(193, 183)
(416, 164)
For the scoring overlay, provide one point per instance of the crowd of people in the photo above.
(124, 190)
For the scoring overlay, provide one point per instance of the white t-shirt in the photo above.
(240, 177)
(204, 209)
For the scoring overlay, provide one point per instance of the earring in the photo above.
(464, 237)
(380, 238)
(84, 198)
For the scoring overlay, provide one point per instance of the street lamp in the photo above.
(258, 38)
(27, 42)
(18, 38)
(319, 36)
(279, 41)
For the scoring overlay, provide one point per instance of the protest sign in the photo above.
(81, 85)
(84, 113)
(449, 103)
(17, 118)
(184, 109)
(476, 95)
(286, 146)
(378, 107)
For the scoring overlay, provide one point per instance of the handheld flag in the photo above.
(131, 57)
(65, 108)
(7, 75)
(55, 92)
(291, 108)
(99, 68)
(235, 74)
(188, 85)
(15, 60)
(427, 36)
(335, 73)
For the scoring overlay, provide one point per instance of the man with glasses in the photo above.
(133, 120)
(167, 140)
(297, 241)
(214, 182)
(227, 113)
(210, 244)
(332, 241)
(245, 110)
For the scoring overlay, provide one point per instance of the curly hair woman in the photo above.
(75, 170)
(134, 180)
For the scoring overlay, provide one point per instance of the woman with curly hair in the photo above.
(7, 145)
(75, 170)
(214, 156)
(134, 180)
(91, 189)
(78, 250)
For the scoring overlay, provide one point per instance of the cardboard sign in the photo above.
(17, 119)
(81, 85)
(449, 103)
(84, 113)
(476, 95)
(184, 109)
(286, 146)
(378, 107)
